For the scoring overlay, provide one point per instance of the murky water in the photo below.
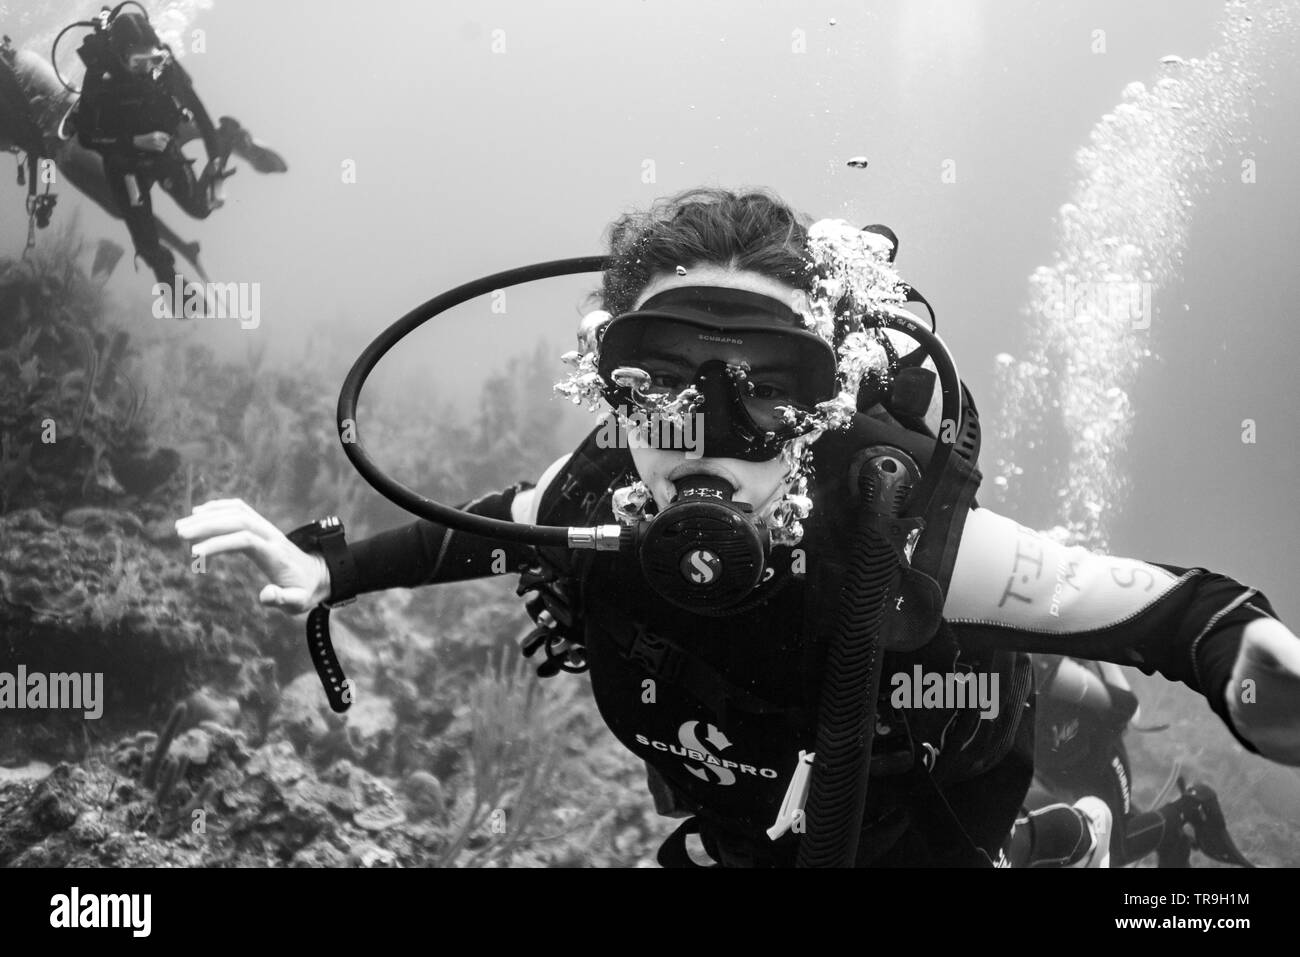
(1095, 312)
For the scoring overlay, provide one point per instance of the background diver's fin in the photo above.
(258, 155)
(1150, 728)
(188, 251)
(1163, 794)
(235, 140)
(107, 256)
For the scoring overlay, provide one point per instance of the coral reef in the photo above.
(216, 746)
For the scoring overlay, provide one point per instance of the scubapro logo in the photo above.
(700, 566)
(687, 735)
(715, 770)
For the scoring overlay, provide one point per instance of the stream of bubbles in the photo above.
(1120, 240)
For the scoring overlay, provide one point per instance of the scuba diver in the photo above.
(134, 99)
(1084, 707)
(753, 587)
(136, 111)
(33, 104)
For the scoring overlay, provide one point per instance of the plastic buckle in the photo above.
(654, 654)
(902, 533)
(531, 578)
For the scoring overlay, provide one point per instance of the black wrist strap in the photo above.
(338, 689)
(326, 538)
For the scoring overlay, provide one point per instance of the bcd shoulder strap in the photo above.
(572, 498)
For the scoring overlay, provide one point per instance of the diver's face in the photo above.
(761, 484)
(146, 62)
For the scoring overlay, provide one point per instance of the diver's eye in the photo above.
(769, 390)
(669, 381)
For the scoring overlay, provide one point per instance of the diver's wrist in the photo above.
(325, 540)
(324, 585)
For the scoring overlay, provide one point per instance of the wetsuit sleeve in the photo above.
(426, 553)
(1015, 588)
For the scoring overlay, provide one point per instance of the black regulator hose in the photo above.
(950, 426)
(846, 717)
(54, 53)
(396, 492)
(889, 482)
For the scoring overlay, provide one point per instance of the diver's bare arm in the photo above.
(1013, 587)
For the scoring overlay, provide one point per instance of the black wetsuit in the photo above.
(733, 698)
(115, 107)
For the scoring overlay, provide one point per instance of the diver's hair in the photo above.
(751, 230)
(131, 32)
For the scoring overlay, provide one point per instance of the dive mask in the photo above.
(148, 62)
(740, 363)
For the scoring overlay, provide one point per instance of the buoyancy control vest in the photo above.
(720, 707)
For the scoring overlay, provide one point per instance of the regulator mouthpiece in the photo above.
(706, 487)
(704, 553)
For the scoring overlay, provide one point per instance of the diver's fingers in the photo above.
(197, 528)
(217, 503)
(256, 547)
(229, 516)
(255, 519)
(290, 599)
(214, 503)
(230, 504)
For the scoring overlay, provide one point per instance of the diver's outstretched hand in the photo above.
(298, 580)
(1263, 696)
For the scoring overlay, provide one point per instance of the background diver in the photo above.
(135, 112)
(1084, 708)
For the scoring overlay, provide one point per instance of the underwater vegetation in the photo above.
(69, 406)
(216, 745)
